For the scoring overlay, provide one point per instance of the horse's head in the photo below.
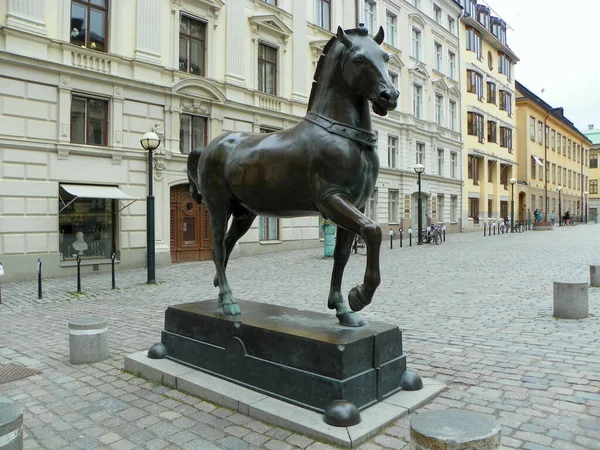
(364, 68)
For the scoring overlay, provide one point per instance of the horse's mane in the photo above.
(324, 67)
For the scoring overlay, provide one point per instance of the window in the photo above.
(370, 8)
(439, 109)
(394, 78)
(416, 3)
(533, 167)
(89, 120)
(532, 128)
(504, 175)
(440, 207)
(89, 23)
(393, 151)
(475, 125)
(392, 206)
(594, 161)
(416, 43)
(547, 137)
(564, 145)
(271, 2)
(475, 83)
(323, 13)
(452, 64)
(267, 69)
(553, 140)
(451, 25)
(417, 100)
(438, 56)
(558, 143)
(453, 202)
(474, 209)
(453, 164)
(506, 102)
(506, 138)
(593, 186)
(86, 225)
(473, 169)
(491, 132)
(570, 178)
(558, 172)
(453, 115)
(420, 155)
(474, 41)
(540, 132)
(440, 161)
(390, 25)
(437, 14)
(504, 65)
(371, 207)
(564, 174)
(491, 171)
(483, 17)
(554, 173)
(192, 45)
(491, 92)
(268, 228)
(192, 133)
(569, 149)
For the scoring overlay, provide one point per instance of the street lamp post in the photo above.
(559, 189)
(150, 142)
(512, 182)
(585, 194)
(419, 169)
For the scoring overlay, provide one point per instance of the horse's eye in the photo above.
(360, 59)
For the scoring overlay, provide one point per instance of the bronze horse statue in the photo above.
(326, 164)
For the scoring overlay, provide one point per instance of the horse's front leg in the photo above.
(345, 315)
(340, 210)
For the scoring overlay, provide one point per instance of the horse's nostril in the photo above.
(385, 95)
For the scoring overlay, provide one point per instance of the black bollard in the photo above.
(410, 237)
(391, 240)
(78, 274)
(484, 228)
(1, 274)
(112, 259)
(444, 233)
(39, 267)
(401, 233)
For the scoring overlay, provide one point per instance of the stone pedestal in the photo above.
(301, 357)
(595, 276)
(454, 429)
(88, 340)
(11, 419)
(570, 300)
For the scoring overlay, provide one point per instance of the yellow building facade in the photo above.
(593, 198)
(488, 101)
(553, 158)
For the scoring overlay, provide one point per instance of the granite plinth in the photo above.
(302, 357)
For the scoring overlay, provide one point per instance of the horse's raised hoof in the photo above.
(350, 319)
(231, 309)
(357, 298)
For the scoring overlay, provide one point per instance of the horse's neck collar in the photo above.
(365, 137)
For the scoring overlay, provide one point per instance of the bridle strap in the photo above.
(368, 138)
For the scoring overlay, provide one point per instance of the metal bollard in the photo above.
(78, 274)
(401, 235)
(391, 239)
(484, 228)
(39, 269)
(112, 259)
(444, 233)
(410, 237)
(1, 274)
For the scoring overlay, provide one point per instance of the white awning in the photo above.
(538, 161)
(86, 191)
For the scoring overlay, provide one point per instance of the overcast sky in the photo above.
(557, 42)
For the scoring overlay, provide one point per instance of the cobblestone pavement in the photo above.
(476, 313)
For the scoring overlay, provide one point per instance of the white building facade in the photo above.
(81, 81)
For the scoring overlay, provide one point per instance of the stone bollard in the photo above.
(570, 300)
(88, 340)
(595, 276)
(11, 419)
(454, 429)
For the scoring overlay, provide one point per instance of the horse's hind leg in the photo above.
(219, 216)
(239, 226)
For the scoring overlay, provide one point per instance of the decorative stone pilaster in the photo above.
(299, 44)
(27, 15)
(236, 26)
(148, 31)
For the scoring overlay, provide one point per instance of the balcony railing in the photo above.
(95, 62)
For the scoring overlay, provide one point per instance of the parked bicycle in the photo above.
(433, 235)
(520, 227)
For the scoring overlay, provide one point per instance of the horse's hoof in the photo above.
(350, 319)
(357, 299)
(231, 309)
(216, 281)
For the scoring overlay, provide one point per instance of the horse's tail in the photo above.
(192, 172)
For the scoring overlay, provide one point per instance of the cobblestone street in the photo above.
(476, 313)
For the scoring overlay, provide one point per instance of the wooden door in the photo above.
(190, 227)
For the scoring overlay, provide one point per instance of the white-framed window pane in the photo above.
(268, 228)
(393, 206)
(390, 22)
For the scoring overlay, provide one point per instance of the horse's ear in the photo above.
(379, 36)
(343, 37)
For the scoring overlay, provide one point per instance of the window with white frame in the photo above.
(439, 109)
(451, 25)
(393, 151)
(453, 202)
(370, 8)
(440, 207)
(89, 23)
(192, 46)
(474, 41)
(452, 64)
(417, 100)
(532, 128)
(420, 154)
(371, 206)
(89, 120)
(393, 206)
(391, 21)
(416, 43)
(453, 113)
(416, 3)
(267, 69)
(268, 228)
(540, 132)
(192, 133)
(437, 14)
(453, 164)
(323, 13)
(504, 65)
(440, 161)
(393, 78)
(475, 83)
(438, 56)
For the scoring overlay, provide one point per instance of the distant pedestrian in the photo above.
(567, 218)
(538, 215)
(552, 217)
